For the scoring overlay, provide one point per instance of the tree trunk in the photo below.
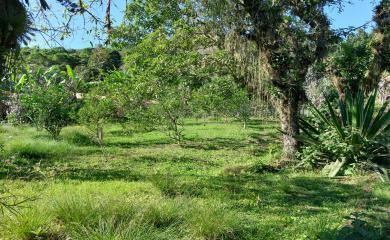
(99, 133)
(288, 114)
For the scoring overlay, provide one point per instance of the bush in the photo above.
(49, 107)
(354, 138)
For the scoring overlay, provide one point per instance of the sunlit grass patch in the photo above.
(36, 148)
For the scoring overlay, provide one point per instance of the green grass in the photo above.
(216, 185)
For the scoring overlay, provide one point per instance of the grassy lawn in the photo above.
(216, 185)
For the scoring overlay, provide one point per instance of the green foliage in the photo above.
(210, 99)
(350, 137)
(166, 63)
(89, 65)
(162, 72)
(144, 17)
(49, 107)
(240, 106)
(44, 58)
(100, 62)
(47, 99)
(351, 60)
(96, 111)
(171, 108)
(131, 97)
(14, 27)
(222, 97)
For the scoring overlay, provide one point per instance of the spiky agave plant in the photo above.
(356, 127)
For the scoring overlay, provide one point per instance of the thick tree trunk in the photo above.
(288, 114)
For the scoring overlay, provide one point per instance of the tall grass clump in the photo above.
(213, 220)
(35, 149)
(78, 136)
(120, 211)
(32, 224)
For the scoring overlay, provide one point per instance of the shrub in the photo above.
(47, 98)
(49, 107)
(351, 138)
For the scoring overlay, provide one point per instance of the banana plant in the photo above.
(357, 123)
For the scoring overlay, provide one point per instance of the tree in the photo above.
(349, 63)
(380, 45)
(164, 70)
(171, 107)
(361, 59)
(102, 61)
(289, 36)
(144, 17)
(221, 96)
(17, 21)
(97, 109)
(240, 106)
(47, 101)
(133, 99)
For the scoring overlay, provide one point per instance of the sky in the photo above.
(355, 14)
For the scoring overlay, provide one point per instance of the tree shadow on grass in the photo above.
(201, 122)
(274, 193)
(174, 159)
(263, 141)
(362, 226)
(313, 191)
(261, 125)
(36, 169)
(274, 188)
(90, 174)
(267, 137)
(308, 196)
(215, 144)
(138, 144)
(277, 188)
